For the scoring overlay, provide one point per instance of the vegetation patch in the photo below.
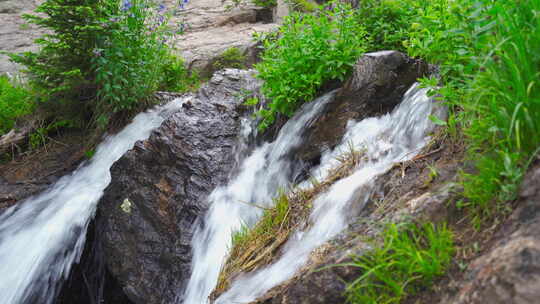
(15, 101)
(231, 58)
(409, 259)
(311, 50)
(104, 58)
(258, 246)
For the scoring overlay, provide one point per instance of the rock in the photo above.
(376, 86)
(509, 272)
(16, 35)
(212, 28)
(159, 187)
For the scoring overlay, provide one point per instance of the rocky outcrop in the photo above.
(214, 26)
(15, 34)
(159, 188)
(509, 272)
(376, 86)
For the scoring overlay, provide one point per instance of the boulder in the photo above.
(376, 86)
(159, 188)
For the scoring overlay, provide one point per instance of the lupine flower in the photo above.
(126, 5)
(162, 7)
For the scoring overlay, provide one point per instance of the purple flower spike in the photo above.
(126, 5)
(162, 7)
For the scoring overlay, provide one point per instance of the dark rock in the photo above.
(509, 272)
(377, 85)
(159, 188)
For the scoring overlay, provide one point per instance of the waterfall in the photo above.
(261, 175)
(42, 236)
(388, 139)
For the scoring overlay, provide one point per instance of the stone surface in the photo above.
(376, 86)
(15, 34)
(212, 27)
(159, 188)
(509, 272)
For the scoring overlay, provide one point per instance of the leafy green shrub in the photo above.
(103, 56)
(62, 68)
(15, 101)
(128, 60)
(311, 50)
(176, 77)
(231, 58)
(410, 259)
(387, 22)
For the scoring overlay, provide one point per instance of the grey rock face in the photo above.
(377, 85)
(510, 271)
(159, 188)
(15, 35)
(213, 26)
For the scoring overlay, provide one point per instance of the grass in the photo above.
(260, 245)
(409, 259)
(15, 102)
(505, 99)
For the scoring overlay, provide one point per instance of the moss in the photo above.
(231, 58)
(304, 6)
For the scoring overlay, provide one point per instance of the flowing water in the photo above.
(386, 140)
(261, 175)
(41, 237)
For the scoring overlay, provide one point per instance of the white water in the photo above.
(261, 175)
(389, 139)
(41, 237)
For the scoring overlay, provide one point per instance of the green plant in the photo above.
(230, 58)
(176, 77)
(310, 51)
(40, 136)
(15, 101)
(100, 56)
(410, 258)
(129, 59)
(62, 67)
(305, 6)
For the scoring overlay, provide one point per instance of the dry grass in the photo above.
(259, 246)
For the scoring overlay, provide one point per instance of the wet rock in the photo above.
(159, 187)
(376, 86)
(510, 271)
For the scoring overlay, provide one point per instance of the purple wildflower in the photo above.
(126, 5)
(162, 7)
